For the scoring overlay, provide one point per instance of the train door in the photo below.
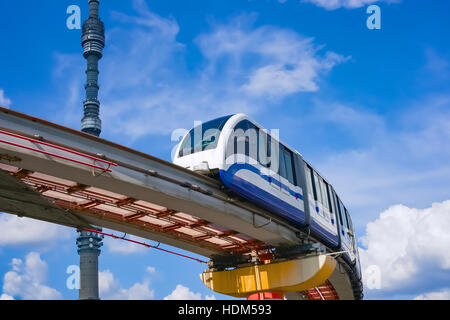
(346, 234)
(334, 222)
(310, 189)
(287, 171)
(326, 212)
(355, 247)
(315, 205)
(351, 234)
(319, 209)
(318, 189)
(274, 163)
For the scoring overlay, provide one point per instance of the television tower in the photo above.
(89, 243)
(93, 42)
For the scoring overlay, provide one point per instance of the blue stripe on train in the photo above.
(271, 202)
(327, 238)
(239, 166)
(250, 191)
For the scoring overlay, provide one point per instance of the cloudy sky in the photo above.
(370, 109)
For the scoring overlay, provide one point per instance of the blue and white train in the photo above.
(256, 165)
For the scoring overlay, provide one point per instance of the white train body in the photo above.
(256, 165)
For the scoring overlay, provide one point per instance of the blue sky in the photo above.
(370, 109)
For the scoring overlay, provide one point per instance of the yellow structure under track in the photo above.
(288, 276)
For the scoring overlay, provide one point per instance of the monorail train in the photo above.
(256, 165)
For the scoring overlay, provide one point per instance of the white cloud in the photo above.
(348, 4)
(279, 61)
(110, 289)
(125, 247)
(4, 101)
(409, 246)
(6, 297)
(438, 295)
(25, 231)
(436, 64)
(436, 71)
(183, 293)
(143, 79)
(300, 75)
(399, 160)
(151, 270)
(27, 278)
(168, 26)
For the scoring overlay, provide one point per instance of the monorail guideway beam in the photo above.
(137, 176)
(59, 175)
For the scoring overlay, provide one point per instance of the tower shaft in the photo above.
(89, 244)
(93, 42)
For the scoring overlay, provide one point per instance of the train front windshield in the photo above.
(203, 137)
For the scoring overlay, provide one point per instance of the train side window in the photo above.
(309, 181)
(338, 209)
(317, 185)
(296, 159)
(350, 224)
(246, 139)
(287, 164)
(282, 163)
(347, 217)
(330, 197)
(263, 148)
(324, 193)
(314, 188)
(344, 218)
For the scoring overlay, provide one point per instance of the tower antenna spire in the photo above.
(93, 42)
